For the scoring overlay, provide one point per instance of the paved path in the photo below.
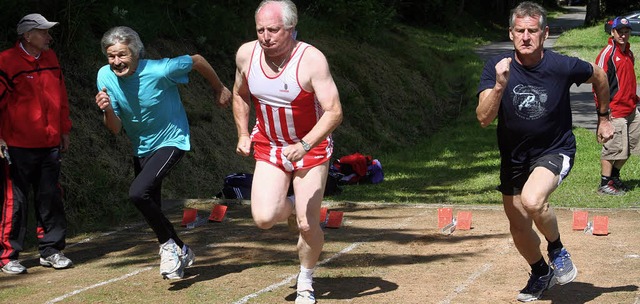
(582, 104)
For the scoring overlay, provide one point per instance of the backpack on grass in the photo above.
(236, 186)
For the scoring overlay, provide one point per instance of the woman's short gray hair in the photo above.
(124, 35)
(289, 12)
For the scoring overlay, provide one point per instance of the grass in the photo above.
(460, 163)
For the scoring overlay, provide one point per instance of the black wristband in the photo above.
(603, 114)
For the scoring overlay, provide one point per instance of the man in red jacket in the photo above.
(34, 130)
(617, 60)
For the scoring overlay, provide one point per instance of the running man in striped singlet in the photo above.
(297, 107)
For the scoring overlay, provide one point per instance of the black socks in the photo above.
(540, 268)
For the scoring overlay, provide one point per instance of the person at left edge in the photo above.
(34, 130)
(141, 96)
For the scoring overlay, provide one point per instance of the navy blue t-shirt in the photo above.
(535, 113)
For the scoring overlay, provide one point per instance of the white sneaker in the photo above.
(170, 260)
(57, 261)
(14, 267)
(305, 297)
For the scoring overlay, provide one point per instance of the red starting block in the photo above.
(464, 220)
(189, 215)
(600, 225)
(445, 217)
(334, 219)
(323, 215)
(217, 213)
(580, 220)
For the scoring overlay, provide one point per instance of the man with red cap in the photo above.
(34, 131)
(617, 60)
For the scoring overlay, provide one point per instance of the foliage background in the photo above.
(403, 68)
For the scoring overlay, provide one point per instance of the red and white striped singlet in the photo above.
(285, 113)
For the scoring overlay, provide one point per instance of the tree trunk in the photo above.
(593, 12)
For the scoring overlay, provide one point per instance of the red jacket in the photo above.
(622, 78)
(34, 108)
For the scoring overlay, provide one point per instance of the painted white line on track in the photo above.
(290, 278)
(472, 278)
(75, 292)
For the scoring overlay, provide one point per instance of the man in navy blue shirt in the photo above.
(528, 90)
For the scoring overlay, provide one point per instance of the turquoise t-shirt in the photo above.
(149, 105)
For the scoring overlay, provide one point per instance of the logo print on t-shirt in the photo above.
(285, 88)
(529, 101)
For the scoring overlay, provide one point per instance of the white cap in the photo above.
(33, 21)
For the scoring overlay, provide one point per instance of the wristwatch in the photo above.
(305, 145)
(603, 114)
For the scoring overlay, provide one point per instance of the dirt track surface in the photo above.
(381, 254)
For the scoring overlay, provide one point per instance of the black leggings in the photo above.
(146, 189)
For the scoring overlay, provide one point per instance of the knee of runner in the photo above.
(533, 205)
(136, 197)
(263, 223)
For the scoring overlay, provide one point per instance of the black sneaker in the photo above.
(610, 189)
(536, 286)
(619, 184)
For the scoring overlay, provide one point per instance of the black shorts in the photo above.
(513, 177)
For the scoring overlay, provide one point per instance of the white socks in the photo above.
(305, 279)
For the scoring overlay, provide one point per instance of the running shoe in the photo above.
(610, 189)
(14, 267)
(565, 271)
(305, 297)
(57, 261)
(188, 257)
(536, 286)
(170, 260)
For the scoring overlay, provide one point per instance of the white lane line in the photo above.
(290, 278)
(470, 280)
(75, 292)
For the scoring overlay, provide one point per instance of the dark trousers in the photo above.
(37, 170)
(146, 189)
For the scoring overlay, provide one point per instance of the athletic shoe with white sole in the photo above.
(536, 286)
(171, 266)
(305, 297)
(14, 267)
(565, 271)
(188, 257)
(610, 188)
(57, 261)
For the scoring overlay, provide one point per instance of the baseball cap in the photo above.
(33, 21)
(620, 22)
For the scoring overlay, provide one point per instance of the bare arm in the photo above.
(489, 99)
(202, 66)
(601, 88)
(315, 76)
(241, 101)
(111, 120)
